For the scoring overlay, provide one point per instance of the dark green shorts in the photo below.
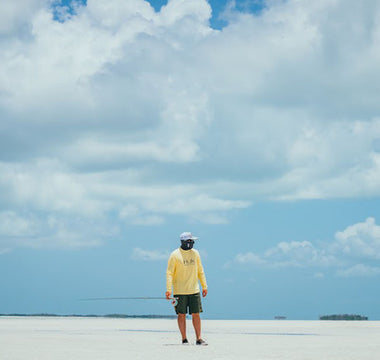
(190, 302)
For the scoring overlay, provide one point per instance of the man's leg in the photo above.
(181, 319)
(197, 324)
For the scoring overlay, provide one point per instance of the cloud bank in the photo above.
(149, 255)
(120, 115)
(353, 252)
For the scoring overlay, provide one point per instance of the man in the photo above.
(183, 272)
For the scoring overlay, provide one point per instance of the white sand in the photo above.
(129, 339)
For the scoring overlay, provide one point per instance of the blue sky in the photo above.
(255, 125)
(217, 21)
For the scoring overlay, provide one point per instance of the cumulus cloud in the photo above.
(358, 242)
(359, 270)
(115, 106)
(285, 254)
(16, 15)
(149, 255)
(51, 231)
(11, 224)
(249, 258)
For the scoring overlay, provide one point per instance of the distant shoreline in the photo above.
(346, 317)
(113, 316)
(155, 316)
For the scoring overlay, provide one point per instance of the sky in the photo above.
(253, 124)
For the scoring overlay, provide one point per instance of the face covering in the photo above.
(187, 244)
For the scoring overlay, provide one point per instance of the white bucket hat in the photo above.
(187, 236)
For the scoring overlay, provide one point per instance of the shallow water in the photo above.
(102, 338)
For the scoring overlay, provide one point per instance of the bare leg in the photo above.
(181, 319)
(197, 325)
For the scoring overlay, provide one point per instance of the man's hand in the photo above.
(168, 294)
(204, 292)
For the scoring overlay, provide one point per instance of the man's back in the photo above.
(184, 270)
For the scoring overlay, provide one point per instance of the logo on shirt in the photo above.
(188, 262)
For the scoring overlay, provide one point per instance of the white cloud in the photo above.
(117, 151)
(15, 15)
(119, 105)
(13, 225)
(298, 253)
(358, 242)
(361, 240)
(249, 258)
(190, 13)
(197, 203)
(360, 270)
(288, 254)
(51, 231)
(149, 255)
(45, 186)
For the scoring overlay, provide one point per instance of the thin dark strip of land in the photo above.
(350, 317)
(119, 316)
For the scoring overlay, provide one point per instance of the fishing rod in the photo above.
(174, 300)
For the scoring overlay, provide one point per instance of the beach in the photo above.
(66, 338)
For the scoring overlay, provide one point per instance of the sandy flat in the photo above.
(100, 338)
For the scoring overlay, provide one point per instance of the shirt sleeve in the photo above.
(170, 272)
(201, 273)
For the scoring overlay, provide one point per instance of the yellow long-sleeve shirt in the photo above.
(183, 272)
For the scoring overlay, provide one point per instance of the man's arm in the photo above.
(169, 276)
(202, 276)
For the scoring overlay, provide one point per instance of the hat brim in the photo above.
(192, 238)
